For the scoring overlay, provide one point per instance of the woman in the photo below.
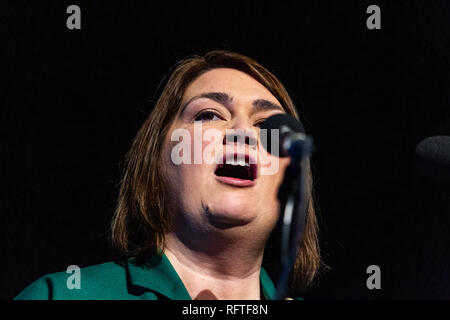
(197, 229)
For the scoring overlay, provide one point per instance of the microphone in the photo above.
(432, 158)
(289, 140)
(292, 140)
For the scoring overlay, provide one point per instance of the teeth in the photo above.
(241, 163)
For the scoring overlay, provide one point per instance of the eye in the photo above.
(258, 122)
(207, 116)
(260, 118)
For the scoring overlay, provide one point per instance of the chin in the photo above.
(231, 212)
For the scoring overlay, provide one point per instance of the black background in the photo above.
(72, 101)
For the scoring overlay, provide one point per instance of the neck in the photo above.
(217, 266)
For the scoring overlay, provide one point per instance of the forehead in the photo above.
(235, 83)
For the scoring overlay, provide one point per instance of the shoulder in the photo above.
(102, 281)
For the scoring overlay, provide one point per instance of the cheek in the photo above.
(189, 161)
(268, 194)
(273, 169)
(284, 162)
(195, 144)
(270, 185)
(279, 176)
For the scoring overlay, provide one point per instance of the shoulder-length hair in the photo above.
(140, 220)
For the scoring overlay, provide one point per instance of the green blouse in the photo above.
(121, 281)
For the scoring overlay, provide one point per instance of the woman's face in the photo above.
(207, 188)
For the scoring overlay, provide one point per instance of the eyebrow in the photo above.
(265, 105)
(224, 99)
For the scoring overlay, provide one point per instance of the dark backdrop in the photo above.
(72, 101)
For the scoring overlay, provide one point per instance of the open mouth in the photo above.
(237, 170)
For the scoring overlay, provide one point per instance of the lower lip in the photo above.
(236, 181)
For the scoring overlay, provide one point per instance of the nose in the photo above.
(241, 131)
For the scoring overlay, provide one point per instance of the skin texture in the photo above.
(219, 230)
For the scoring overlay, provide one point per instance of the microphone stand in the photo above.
(293, 202)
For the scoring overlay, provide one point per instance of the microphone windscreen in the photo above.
(281, 122)
(432, 158)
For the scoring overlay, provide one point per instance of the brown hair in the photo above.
(140, 220)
